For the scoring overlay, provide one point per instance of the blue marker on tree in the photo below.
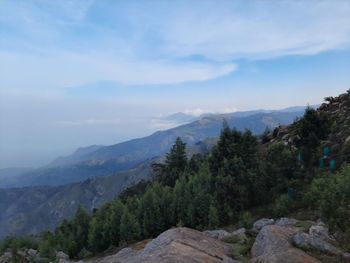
(332, 165)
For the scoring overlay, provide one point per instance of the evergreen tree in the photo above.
(312, 128)
(175, 164)
(81, 224)
(114, 221)
(129, 227)
(213, 217)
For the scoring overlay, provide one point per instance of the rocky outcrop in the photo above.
(284, 221)
(218, 234)
(258, 225)
(274, 244)
(22, 255)
(318, 239)
(175, 245)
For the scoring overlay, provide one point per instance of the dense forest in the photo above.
(241, 173)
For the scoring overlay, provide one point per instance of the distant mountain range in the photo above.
(96, 174)
(104, 160)
(29, 210)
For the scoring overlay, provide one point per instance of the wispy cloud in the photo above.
(88, 122)
(65, 43)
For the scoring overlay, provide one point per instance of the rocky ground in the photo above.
(271, 241)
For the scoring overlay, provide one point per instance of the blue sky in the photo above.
(81, 72)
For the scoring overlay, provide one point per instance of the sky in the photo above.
(81, 72)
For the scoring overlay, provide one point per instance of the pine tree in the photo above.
(81, 224)
(114, 219)
(129, 227)
(213, 217)
(175, 164)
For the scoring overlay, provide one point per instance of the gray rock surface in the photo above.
(218, 234)
(258, 225)
(306, 241)
(241, 234)
(175, 245)
(274, 245)
(321, 230)
(284, 221)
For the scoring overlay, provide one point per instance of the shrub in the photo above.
(330, 195)
(246, 220)
(282, 206)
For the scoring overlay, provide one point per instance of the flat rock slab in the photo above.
(175, 245)
(274, 245)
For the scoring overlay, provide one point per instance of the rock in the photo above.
(301, 240)
(62, 256)
(22, 253)
(6, 258)
(306, 241)
(218, 234)
(274, 244)
(32, 252)
(175, 245)
(284, 221)
(347, 140)
(321, 230)
(346, 257)
(241, 235)
(258, 225)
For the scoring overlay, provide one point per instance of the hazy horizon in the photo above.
(78, 73)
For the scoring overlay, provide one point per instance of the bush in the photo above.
(330, 195)
(282, 206)
(246, 220)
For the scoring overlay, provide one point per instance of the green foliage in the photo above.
(246, 220)
(232, 239)
(213, 217)
(282, 205)
(175, 164)
(47, 246)
(129, 227)
(330, 194)
(14, 243)
(84, 253)
(311, 129)
(137, 189)
(207, 192)
(233, 164)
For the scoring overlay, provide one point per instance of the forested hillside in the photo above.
(303, 167)
(104, 160)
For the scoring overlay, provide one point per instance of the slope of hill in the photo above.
(30, 210)
(104, 160)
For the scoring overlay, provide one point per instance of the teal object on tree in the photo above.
(291, 193)
(299, 156)
(321, 162)
(326, 151)
(332, 165)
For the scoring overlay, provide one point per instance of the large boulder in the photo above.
(284, 221)
(175, 245)
(318, 239)
(240, 234)
(258, 225)
(306, 241)
(274, 244)
(218, 234)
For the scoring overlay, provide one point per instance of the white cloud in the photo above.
(88, 122)
(258, 29)
(197, 111)
(72, 69)
(61, 43)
